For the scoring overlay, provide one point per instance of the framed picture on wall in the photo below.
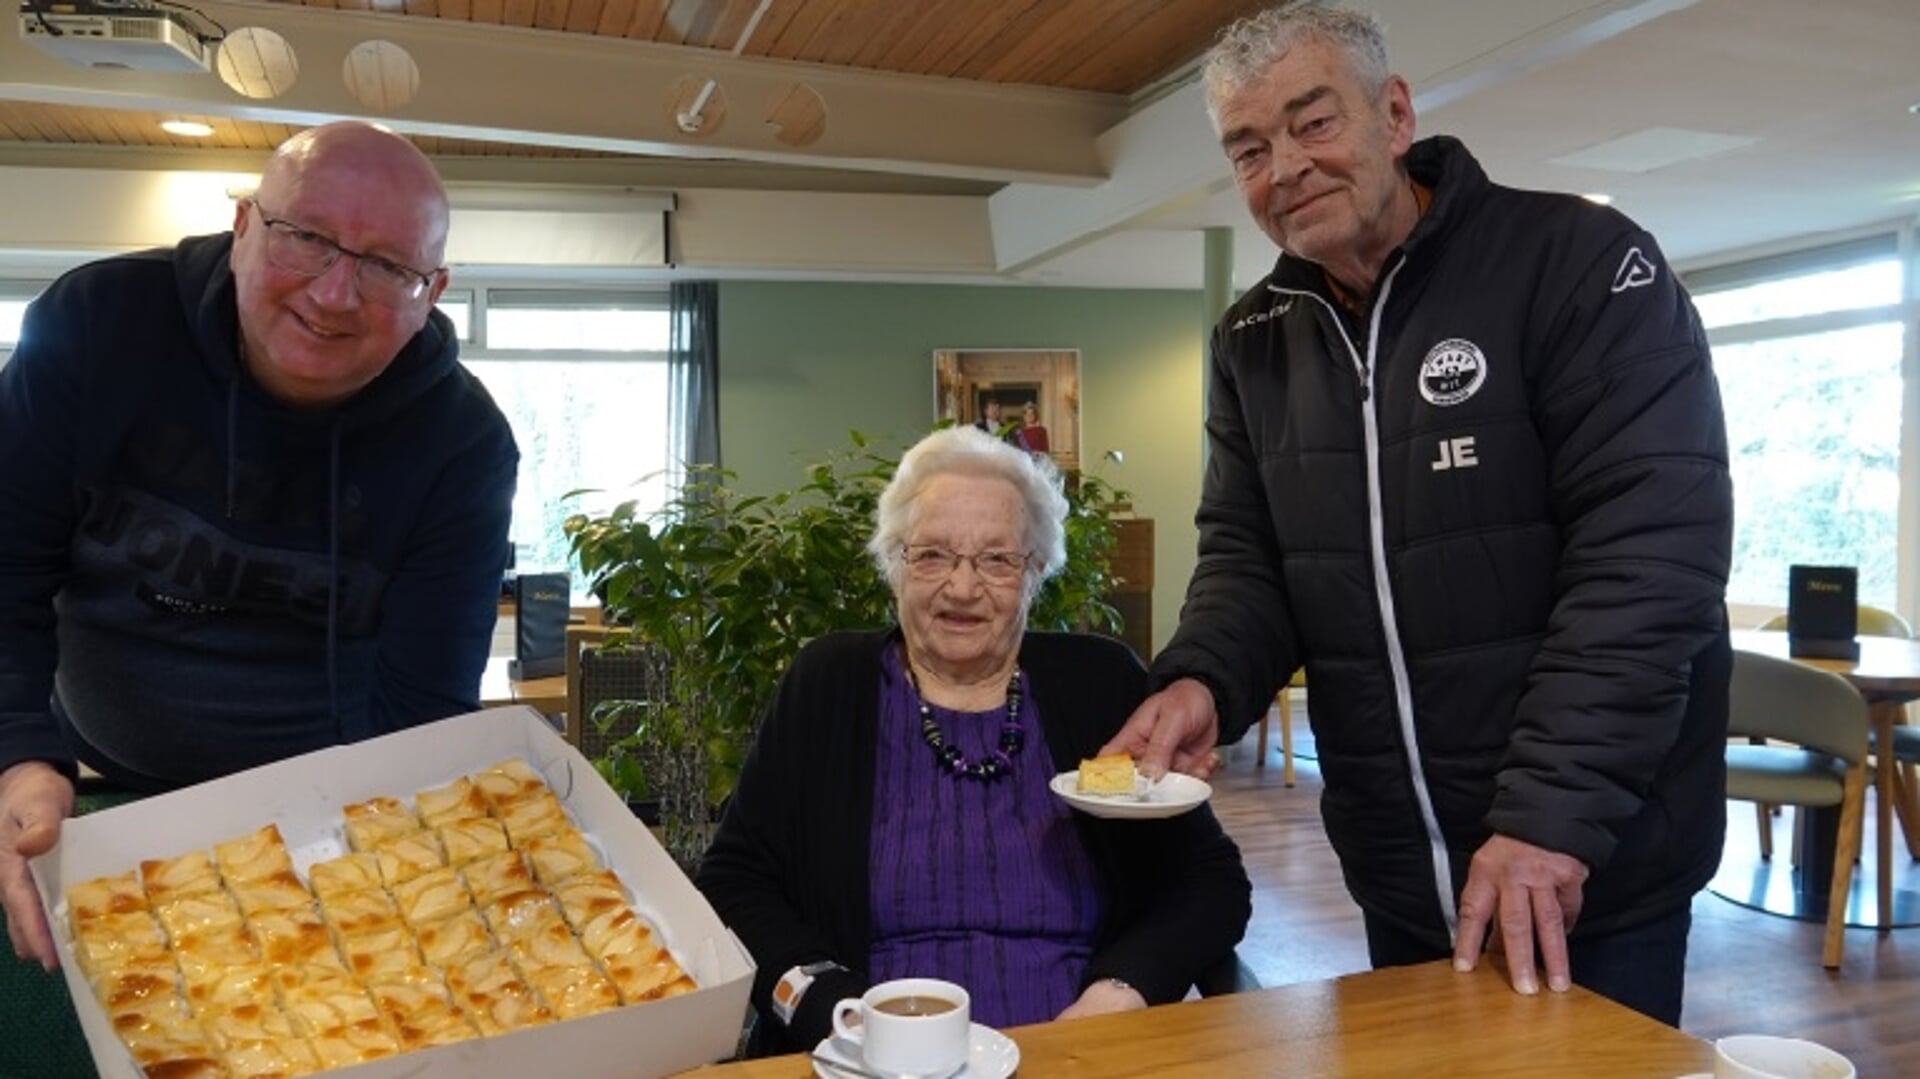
(1028, 396)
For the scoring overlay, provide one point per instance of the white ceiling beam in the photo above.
(1165, 157)
(517, 85)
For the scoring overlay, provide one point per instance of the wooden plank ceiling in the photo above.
(1105, 46)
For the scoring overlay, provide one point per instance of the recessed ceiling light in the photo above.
(1914, 108)
(192, 129)
(1598, 198)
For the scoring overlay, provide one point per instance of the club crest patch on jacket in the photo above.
(1452, 372)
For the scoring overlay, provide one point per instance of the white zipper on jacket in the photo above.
(1383, 588)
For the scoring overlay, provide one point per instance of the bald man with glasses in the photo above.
(253, 504)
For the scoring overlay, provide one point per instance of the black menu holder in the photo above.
(1823, 611)
(541, 604)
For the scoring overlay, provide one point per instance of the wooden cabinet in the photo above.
(1133, 598)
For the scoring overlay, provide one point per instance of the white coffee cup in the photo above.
(910, 1026)
(1764, 1056)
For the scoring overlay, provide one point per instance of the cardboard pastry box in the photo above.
(304, 797)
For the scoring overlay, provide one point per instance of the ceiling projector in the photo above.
(131, 37)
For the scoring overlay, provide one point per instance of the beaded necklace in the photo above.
(993, 765)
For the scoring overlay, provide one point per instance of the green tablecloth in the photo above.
(40, 1037)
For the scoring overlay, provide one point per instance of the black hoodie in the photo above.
(195, 578)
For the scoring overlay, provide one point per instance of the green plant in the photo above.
(729, 587)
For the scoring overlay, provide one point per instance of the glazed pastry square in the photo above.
(360, 912)
(432, 896)
(508, 782)
(118, 941)
(537, 814)
(547, 946)
(574, 991)
(356, 1043)
(248, 983)
(206, 955)
(281, 1059)
(138, 989)
(251, 857)
(405, 857)
(248, 1021)
(519, 913)
(452, 940)
(293, 937)
(494, 995)
(643, 977)
(376, 819)
(167, 879)
(590, 895)
(197, 913)
(156, 1036)
(275, 891)
(619, 932)
(328, 1004)
(381, 953)
(190, 1068)
(106, 895)
(367, 833)
(349, 873)
(294, 976)
(469, 840)
(457, 801)
(498, 875)
(375, 807)
(560, 856)
(423, 1012)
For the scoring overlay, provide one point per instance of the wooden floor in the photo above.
(1747, 972)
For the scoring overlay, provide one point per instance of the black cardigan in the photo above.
(788, 869)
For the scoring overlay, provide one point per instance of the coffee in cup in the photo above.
(910, 1026)
(1764, 1056)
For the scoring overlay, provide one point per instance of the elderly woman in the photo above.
(894, 820)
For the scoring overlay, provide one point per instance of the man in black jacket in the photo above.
(1468, 467)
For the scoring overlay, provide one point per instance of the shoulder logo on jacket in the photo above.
(1268, 315)
(1452, 372)
(1635, 270)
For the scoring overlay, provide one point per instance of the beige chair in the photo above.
(1813, 730)
(1871, 622)
(1283, 702)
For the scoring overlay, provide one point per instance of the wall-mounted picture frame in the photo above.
(1028, 396)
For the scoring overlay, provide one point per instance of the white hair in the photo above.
(969, 451)
(1251, 45)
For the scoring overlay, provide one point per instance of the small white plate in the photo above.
(990, 1055)
(1172, 796)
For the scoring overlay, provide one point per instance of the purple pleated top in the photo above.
(981, 883)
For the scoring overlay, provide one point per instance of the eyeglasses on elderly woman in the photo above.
(930, 563)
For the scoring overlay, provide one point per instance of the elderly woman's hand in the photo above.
(1103, 996)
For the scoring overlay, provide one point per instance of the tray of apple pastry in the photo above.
(487, 917)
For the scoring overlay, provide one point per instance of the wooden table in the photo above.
(1424, 1020)
(548, 695)
(1887, 676)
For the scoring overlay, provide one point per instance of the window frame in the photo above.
(1897, 241)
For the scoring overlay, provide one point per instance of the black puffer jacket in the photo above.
(1493, 521)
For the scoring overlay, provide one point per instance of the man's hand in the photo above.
(1173, 730)
(34, 799)
(1102, 997)
(1535, 895)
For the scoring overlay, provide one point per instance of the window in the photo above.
(1809, 353)
(583, 379)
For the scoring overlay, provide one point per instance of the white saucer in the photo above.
(990, 1055)
(1172, 796)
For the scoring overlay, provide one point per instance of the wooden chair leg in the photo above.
(1764, 813)
(1852, 812)
(1260, 758)
(1906, 802)
(1286, 736)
